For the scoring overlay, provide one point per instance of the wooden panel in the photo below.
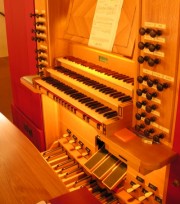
(35, 135)
(126, 32)
(80, 19)
(25, 176)
(156, 16)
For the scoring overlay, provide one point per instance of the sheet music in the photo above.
(105, 24)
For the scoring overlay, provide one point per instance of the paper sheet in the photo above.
(105, 23)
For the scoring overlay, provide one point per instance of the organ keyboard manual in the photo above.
(109, 113)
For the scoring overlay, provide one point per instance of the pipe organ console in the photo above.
(109, 115)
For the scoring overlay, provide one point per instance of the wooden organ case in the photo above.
(109, 115)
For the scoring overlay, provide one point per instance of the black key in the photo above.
(77, 95)
(101, 108)
(116, 95)
(128, 80)
(103, 89)
(85, 100)
(104, 110)
(110, 91)
(90, 103)
(80, 97)
(125, 98)
(99, 86)
(96, 106)
(110, 114)
(107, 90)
(118, 76)
(71, 91)
(93, 103)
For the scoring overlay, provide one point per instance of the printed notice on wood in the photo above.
(105, 24)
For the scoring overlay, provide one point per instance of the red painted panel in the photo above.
(173, 193)
(176, 145)
(35, 135)
(22, 62)
(22, 57)
(20, 45)
(29, 103)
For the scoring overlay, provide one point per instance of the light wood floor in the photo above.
(5, 88)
